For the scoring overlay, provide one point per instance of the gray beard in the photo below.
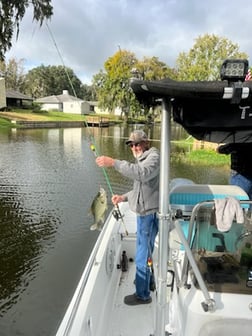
(137, 155)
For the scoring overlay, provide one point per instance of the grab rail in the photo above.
(209, 304)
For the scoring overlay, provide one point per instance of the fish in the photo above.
(98, 209)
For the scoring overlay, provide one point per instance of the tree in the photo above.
(204, 59)
(151, 68)
(154, 69)
(112, 86)
(12, 13)
(52, 80)
(88, 93)
(14, 74)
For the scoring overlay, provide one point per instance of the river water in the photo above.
(48, 179)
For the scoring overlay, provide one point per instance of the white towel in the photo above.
(226, 210)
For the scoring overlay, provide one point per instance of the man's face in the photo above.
(137, 149)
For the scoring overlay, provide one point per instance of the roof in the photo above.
(65, 97)
(17, 95)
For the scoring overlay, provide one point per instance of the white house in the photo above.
(64, 103)
(2, 93)
(69, 104)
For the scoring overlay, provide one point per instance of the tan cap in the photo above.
(137, 136)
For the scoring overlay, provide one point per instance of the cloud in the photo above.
(83, 34)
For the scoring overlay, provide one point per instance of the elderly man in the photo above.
(144, 201)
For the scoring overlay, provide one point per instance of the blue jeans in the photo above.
(241, 181)
(147, 228)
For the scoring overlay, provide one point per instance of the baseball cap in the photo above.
(137, 136)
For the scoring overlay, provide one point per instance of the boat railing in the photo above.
(208, 304)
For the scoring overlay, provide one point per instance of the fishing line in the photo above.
(117, 213)
(92, 145)
(60, 56)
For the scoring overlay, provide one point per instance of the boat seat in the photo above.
(186, 196)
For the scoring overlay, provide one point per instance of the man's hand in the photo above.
(105, 161)
(117, 199)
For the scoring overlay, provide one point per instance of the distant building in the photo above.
(17, 99)
(2, 93)
(66, 103)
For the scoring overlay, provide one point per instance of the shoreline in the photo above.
(57, 124)
(27, 120)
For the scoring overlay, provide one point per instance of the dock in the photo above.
(97, 121)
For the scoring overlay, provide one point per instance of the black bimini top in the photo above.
(215, 111)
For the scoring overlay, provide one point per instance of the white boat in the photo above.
(203, 286)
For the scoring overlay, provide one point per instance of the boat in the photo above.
(203, 275)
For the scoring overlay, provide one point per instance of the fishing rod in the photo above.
(116, 212)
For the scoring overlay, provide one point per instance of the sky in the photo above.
(83, 34)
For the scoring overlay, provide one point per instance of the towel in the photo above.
(226, 210)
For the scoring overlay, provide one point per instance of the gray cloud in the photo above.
(87, 32)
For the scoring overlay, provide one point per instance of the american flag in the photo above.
(248, 76)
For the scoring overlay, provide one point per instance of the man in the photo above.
(144, 201)
(241, 168)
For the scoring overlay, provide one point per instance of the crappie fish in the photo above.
(98, 209)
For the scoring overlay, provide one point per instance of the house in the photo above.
(17, 99)
(64, 103)
(2, 94)
(68, 104)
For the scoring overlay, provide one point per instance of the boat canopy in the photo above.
(215, 111)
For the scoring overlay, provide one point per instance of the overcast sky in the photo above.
(86, 32)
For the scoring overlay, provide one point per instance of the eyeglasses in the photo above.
(136, 144)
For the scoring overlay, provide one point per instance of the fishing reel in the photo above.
(117, 213)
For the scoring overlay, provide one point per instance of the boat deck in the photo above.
(131, 320)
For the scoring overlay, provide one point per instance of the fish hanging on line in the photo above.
(98, 209)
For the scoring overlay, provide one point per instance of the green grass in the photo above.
(207, 157)
(6, 124)
(54, 116)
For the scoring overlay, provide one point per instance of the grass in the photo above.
(204, 157)
(6, 123)
(41, 116)
(208, 157)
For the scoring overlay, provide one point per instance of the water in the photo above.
(48, 179)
